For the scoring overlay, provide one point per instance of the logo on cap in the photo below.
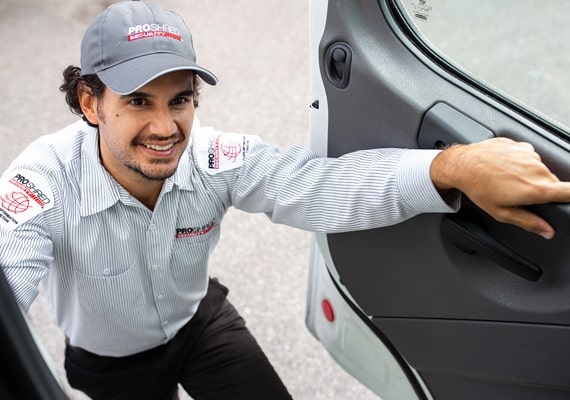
(153, 30)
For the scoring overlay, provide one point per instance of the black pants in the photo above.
(213, 357)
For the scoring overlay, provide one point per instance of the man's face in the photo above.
(143, 134)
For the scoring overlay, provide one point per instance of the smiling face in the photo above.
(143, 135)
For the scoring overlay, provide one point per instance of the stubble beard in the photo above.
(147, 172)
(148, 175)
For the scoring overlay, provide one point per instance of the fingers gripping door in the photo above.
(473, 327)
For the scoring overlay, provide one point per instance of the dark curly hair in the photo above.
(73, 81)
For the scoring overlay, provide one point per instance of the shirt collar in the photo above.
(99, 190)
(183, 175)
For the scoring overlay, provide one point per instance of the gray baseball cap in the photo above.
(133, 42)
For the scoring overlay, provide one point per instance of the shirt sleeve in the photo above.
(26, 197)
(25, 256)
(360, 190)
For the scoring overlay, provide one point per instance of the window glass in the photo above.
(518, 48)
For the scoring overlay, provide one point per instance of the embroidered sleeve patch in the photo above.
(23, 195)
(218, 152)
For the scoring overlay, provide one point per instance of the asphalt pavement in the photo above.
(259, 51)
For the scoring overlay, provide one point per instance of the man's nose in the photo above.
(163, 122)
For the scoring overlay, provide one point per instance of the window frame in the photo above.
(397, 19)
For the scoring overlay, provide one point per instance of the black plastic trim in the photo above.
(470, 237)
(24, 372)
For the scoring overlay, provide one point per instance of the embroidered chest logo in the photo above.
(194, 231)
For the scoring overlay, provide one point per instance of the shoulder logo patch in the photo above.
(23, 195)
(219, 152)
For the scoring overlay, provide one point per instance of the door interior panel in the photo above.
(468, 321)
(510, 355)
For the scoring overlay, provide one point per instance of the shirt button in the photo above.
(106, 271)
(155, 267)
(164, 323)
(160, 297)
(152, 227)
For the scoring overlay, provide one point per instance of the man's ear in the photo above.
(88, 103)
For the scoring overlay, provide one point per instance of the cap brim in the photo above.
(131, 75)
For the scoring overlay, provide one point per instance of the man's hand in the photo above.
(500, 176)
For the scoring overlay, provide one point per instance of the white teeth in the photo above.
(159, 148)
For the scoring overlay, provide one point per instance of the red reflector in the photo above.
(328, 310)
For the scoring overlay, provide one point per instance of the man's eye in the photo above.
(180, 101)
(137, 102)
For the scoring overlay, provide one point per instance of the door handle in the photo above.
(472, 238)
(443, 125)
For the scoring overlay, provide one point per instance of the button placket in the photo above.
(158, 246)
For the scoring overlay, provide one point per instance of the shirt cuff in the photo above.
(417, 188)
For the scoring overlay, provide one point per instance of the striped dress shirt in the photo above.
(122, 278)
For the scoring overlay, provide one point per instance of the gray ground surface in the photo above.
(259, 50)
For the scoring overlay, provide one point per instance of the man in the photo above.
(119, 213)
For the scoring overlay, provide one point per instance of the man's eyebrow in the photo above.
(185, 93)
(140, 94)
(136, 95)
